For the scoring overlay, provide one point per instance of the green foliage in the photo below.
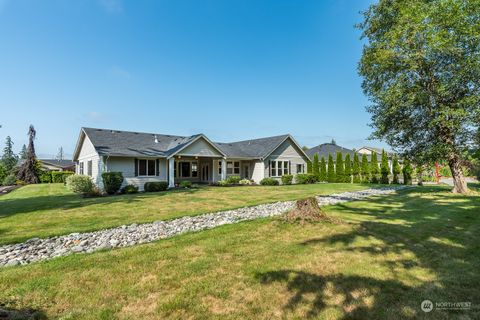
(269, 182)
(3, 172)
(309, 166)
(185, 184)
(233, 179)
(374, 171)
(384, 169)
(80, 184)
(323, 170)
(23, 152)
(348, 169)
(9, 158)
(339, 168)
(45, 177)
(395, 169)
(129, 189)
(287, 179)
(305, 178)
(112, 181)
(9, 180)
(60, 176)
(245, 182)
(421, 68)
(155, 186)
(29, 169)
(365, 169)
(316, 166)
(407, 172)
(331, 170)
(356, 169)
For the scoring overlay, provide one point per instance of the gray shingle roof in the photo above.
(328, 148)
(59, 163)
(126, 143)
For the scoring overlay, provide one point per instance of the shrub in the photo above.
(9, 180)
(129, 189)
(330, 169)
(112, 181)
(339, 168)
(316, 166)
(356, 169)
(45, 177)
(348, 169)
(223, 183)
(60, 176)
(245, 182)
(309, 166)
(80, 184)
(407, 172)
(396, 170)
(303, 178)
(185, 184)
(287, 179)
(385, 169)
(155, 186)
(323, 170)
(269, 182)
(365, 169)
(374, 168)
(233, 179)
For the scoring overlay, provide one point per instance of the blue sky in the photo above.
(233, 70)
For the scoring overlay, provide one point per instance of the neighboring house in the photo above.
(323, 150)
(143, 157)
(57, 165)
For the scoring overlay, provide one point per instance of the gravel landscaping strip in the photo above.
(37, 249)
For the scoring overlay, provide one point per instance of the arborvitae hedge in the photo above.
(396, 170)
(309, 166)
(323, 170)
(385, 169)
(348, 169)
(407, 172)
(315, 167)
(365, 169)
(374, 168)
(340, 168)
(356, 169)
(330, 169)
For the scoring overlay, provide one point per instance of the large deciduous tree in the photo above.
(421, 70)
(28, 171)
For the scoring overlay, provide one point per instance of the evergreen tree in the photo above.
(330, 169)
(60, 155)
(396, 169)
(9, 159)
(365, 169)
(407, 172)
(323, 170)
(23, 153)
(356, 169)
(28, 171)
(385, 169)
(339, 168)
(309, 166)
(315, 167)
(348, 169)
(374, 168)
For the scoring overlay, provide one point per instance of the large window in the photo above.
(146, 167)
(80, 168)
(89, 168)
(279, 168)
(233, 167)
(299, 168)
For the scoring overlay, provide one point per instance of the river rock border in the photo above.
(37, 249)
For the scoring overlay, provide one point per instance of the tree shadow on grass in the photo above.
(419, 229)
(7, 313)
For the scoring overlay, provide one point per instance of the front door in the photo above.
(246, 171)
(205, 172)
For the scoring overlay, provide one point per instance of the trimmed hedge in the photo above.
(269, 182)
(130, 189)
(287, 179)
(45, 177)
(112, 181)
(233, 179)
(155, 186)
(60, 176)
(186, 184)
(80, 184)
(305, 178)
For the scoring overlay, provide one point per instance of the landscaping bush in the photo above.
(384, 168)
(185, 184)
(339, 168)
(330, 169)
(9, 180)
(323, 170)
(395, 170)
(245, 182)
(130, 189)
(303, 178)
(60, 176)
(112, 181)
(233, 179)
(287, 179)
(269, 182)
(155, 186)
(80, 184)
(407, 172)
(45, 177)
(223, 183)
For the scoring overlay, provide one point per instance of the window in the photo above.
(279, 168)
(233, 167)
(185, 169)
(80, 168)
(89, 168)
(299, 168)
(194, 170)
(220, 167)
(146, 167)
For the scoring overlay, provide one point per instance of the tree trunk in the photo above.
(459, 183)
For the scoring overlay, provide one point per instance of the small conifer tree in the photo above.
(396, 170)
(374, 168)
(356, 169)
(330, 169)
(340, 168)
(315, 167)
(385, 168)
(348, 169)
(309, 166)
(323, 170)
(365, 169)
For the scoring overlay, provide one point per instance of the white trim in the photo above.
(191, 142)
(294, 142)
(282, 167)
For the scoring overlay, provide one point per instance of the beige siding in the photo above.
(258, 171)
(201, 147)
(88, 153)
(287, 151)
(127, 167)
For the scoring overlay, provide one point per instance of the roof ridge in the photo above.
(278, 136)
(141, 132)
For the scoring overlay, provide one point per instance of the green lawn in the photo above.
(49, 209)
(392, 253)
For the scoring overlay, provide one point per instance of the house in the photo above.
(57, 165)
(144, 157)
(324, 149)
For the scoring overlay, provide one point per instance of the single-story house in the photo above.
(57, 165)
(324, 149)
(144, 157)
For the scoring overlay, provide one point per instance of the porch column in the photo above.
(171, 172)
(224, 169)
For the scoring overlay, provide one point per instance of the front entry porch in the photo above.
(195, 169)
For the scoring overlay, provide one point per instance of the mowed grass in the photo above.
(50, 209)
(391, 253)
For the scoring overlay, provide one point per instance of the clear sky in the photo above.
(231, 69)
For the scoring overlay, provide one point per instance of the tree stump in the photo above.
(306, 210)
